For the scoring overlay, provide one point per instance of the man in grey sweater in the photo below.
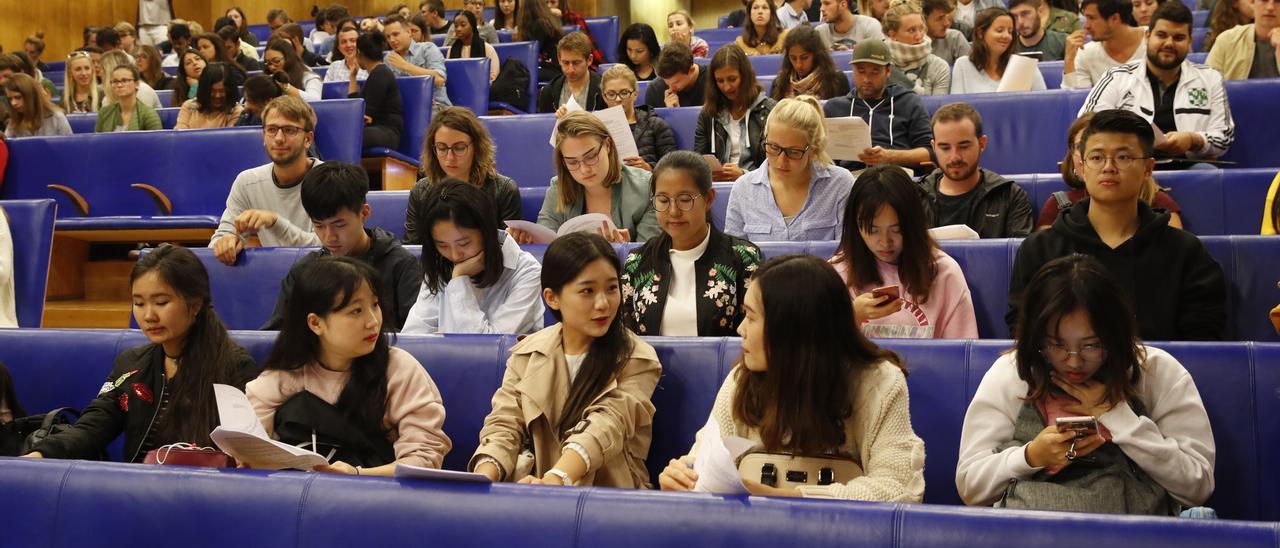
(265, 200)
(949, 44)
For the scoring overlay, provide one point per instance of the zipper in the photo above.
(164, 385)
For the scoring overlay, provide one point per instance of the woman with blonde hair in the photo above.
(31, 113)
(81, 93)
(654, 138)
(914, 64)
(145, 95)
(797, 194)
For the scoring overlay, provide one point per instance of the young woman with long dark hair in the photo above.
(807, 68)
(982, 70)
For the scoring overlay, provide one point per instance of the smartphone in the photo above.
(1082, 426)
(891, 290)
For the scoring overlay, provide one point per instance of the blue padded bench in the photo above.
(399, 167)
(605, 32)
(263, 32)
(387, 210)
(468, 85)
(1237, 381)
(527, 54)
(523, 147)
(31, 228)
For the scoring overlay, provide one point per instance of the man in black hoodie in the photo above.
(960, 192)
(1177, 289)
(899, 122)
(334, 196)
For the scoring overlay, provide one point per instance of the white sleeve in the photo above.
(960, 75)
(733, 221)
(983, 470)
(312, 87)
(424, 317)
(1222, 128)
(522, 307)
(235, 206)
(1107, 94)
(290, 235)
(1080, 79)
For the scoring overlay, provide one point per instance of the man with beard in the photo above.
(266, 200)
(843, 29)
(1185, 100)
(898, 119)
(961, 193)
(949, 44)
(1116, 40)
(1252, 50)
(1032, 36)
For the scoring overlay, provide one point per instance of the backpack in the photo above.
(19, 437)
(512, 84)
(306, 417)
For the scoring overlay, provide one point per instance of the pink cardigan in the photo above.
(947, 315)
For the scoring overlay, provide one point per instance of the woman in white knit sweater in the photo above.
(1078, 355)
(814, 388)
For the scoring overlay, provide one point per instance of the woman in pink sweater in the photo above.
(903, 285)
(334, 384)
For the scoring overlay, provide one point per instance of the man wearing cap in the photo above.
(899, 123)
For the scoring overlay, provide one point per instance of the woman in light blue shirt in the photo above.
(798, 194)
(475, 277)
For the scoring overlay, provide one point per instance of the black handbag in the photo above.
(309, 422)
(19, 437)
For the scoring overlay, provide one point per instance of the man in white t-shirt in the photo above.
(153, 21)
(843, 29)
(1116, 41)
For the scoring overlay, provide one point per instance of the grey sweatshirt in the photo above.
(256, 189)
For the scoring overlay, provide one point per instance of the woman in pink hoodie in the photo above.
(903, 285)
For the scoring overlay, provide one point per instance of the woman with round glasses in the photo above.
(1077, 354)
(127, 112)
(590, 178)
(654, 137)
(798, 194)
(458, 146)
(689, 280)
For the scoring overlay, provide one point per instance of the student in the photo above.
(127, 112)
(161, 393)
(383, 110)
(292, 34)
(1064, 17)
(82, 93)
(265, 199)
(148, 60)
(681, 82)
(277, 18)
(960, 191)
(982, 70)
(334, 197)
(296, 79)
(536, 24)
(576, 78)
(842, 29)
(796, 194)
(732, 122)
(333, 372)
(680, 29)
(179, 43)
(966, 12)
(232, 53)
(638, 50)
(900, 130)
(187, 82)
(141, 91)
(1072, 169)
(258, 91)
(914, 66)
(885, 242)
(1115, 42)
(1034, 37)
(1192, 109)
(800, 346)
(458, 146)
(663, 280)
(807, 68)
(654, 138)
(1251, 50)
(128, 37)
(212, 50)
(1078, 353)
(433, 11)
(590, 178)
(31, 113)
(1225, 16)
(505, 14)
(34, 46)
(577, 392)
(409, 58)
(217, 102)
(477, 279)
(876, 9)
(8, 302)
(470, 44)
(1271, 209)
(1176, 288)
(949, 44)
(763, 35)
(478, 27)
(570, 18)
(791, 13)
(241, 25)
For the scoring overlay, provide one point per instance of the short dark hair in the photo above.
(687, 161)
(1107, 8)
(178, 31)
(108, 37)
(1034, 3)
(676, 58)
(956, 111)
(371, 44)
(225, 21)
(330, 187)
(261, 89)
(466, 206)
(1173, 12)
(929, 6)
(9, 61)
(276, 13)
(436, 6)
(1120, 121)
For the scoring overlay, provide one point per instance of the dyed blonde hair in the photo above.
(582, 124)
(897, 10)
(619, 72)
(69, 92)
(803, 114)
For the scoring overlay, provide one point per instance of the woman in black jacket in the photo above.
(733, 97)
(691, 279)
(383, 110)
(161, 393)
(654, 138)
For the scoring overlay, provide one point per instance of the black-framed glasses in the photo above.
(616, 95)
(1097, 161)
(458, 149)
(123, 81)
(289, 131)
(273, 61)
(589, 159)
(794, 153)
(684, 201)
(1089, 353)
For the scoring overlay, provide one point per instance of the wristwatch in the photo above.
(564, 478)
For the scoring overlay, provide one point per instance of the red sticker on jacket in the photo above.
(123, 400)
(143, 391)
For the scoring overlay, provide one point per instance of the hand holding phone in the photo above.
(1083, 427)
(892, 291)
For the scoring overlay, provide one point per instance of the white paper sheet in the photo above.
(569, 106)
(615, 118)
(587, 222)
(953, 232)
(847, 137)
(419, 472)
(540, 234)
(716, 461)
(242, 436)
(1020, 75)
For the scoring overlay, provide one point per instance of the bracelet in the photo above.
(564, 478)
(357, 470)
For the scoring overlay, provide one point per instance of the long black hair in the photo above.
(208, 356)
(830, 76)
(477, 43)
(887, 186)
(466, 206)
(563, 262)
(213, 74)
(326, 285)
(645, 34)
(371, 45)
(500, 19)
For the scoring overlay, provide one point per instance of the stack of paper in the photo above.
(419, 472)
(587, 222)
(241, 435)
(1020, 75)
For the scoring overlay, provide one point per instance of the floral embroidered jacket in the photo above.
(722, 274)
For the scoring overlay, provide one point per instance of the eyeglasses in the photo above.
(684, 201)
(289, 131)
(458, 149)
(1090, 353)
(273, 61)
(589, 159)
(616, 95)
(122, 82)
(792, 153)
(1098, 162)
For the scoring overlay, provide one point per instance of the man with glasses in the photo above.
(960, 192)
(264, 201)
(1176, 288)
(576, 80)
(1185, 101)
